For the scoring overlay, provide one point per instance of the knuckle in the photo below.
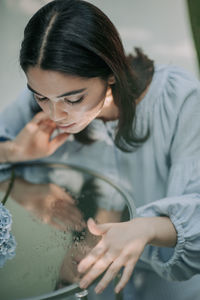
(114, 269)
(128, 253)
(101, 265)
(126, 256)
(98, 251)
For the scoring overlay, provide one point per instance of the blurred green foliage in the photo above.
(194, 15)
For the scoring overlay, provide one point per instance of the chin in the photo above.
(72, 130)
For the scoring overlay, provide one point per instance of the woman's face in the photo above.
(71, 102)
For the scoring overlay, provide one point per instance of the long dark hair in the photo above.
(77, 38)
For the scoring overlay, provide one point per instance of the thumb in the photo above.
(97, 229)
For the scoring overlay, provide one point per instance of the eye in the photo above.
(74, 101)
(40, 99)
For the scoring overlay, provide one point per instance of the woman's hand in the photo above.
(81, 246)
(34, 141)
(121, 245)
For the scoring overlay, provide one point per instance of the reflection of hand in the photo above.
(34, 140)
(50, 203)
(80, 247)
(68, 272)
(121, 245)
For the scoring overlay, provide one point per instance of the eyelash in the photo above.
(65, 100)
(74, 102)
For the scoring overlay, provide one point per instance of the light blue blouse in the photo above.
(162, 176)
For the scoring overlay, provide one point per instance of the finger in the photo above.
(48, 122)
(61, 194)
(65, 217)
(127, 272)
(97, 269)
(74, 212)
(111, 273)
(58, 141)
(68, 211)
(90, 259)
(46, 119)
(64, 205)
(97, 229)
(76, 222)
(39, 117)
(66, 196)
(47, 127)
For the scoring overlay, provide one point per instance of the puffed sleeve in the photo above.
(15, 116)
(181, 262)
(182, 202)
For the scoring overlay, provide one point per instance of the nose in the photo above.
(56, 112)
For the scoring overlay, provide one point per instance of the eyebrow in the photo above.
(63, 95)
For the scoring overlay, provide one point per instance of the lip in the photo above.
(65, 126)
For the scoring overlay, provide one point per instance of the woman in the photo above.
(135, 122)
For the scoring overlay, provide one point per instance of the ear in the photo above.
(111, 79)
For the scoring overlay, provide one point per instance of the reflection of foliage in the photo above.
(7, 241)
(194, 15)
(87, 202)
(88, 199)
(12, 179)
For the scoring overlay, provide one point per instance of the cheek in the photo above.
(86, 112)
(93, 105)
(83, 111)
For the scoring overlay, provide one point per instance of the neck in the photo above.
(110, 110)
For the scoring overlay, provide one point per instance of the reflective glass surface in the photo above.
(50, 206)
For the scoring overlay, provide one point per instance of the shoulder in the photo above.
(171, 103)
(171, 88)
(174, 84)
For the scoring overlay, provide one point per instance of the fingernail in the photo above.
(83, 284)
(98, 290)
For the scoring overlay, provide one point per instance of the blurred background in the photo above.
(161, 28)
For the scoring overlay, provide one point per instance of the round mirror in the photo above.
(50, 206)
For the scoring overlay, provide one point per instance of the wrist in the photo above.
(157, 231)
(162, 231)
(11, 152)
(145, 228)
(6, 151)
